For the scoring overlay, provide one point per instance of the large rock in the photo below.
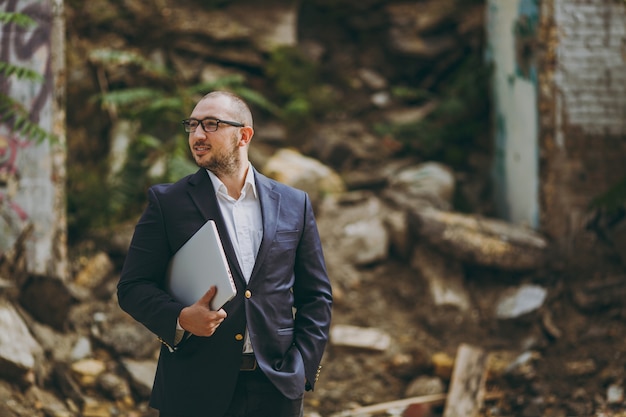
(478, 240)
(400, 244)
(366, 242)
(115, 329)
(267, 24)
(13, 223)
(413, 26)
(50, 405)
(58, 346)
(141, 374)
(48, 300)
(430, 184)
(444, 276)
(95, 271)
(423, 17)
(352, 233)
(345, 145)
(292, 168)
(13, 402)
(19, 351)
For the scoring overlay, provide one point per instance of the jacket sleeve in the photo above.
(312, 297)
(140, 289)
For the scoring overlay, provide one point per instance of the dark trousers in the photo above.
(256, 396)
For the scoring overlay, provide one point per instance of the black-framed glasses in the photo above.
(209, 124)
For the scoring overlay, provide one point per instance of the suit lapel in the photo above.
(270, 204)
(202, 194)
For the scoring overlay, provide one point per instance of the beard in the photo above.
(224, 162)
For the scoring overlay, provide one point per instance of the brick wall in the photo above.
(582, 107)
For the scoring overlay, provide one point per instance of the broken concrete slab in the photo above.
(478, 240)
(359, 337)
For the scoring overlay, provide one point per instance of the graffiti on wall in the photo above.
(19, 46)
(26, 47)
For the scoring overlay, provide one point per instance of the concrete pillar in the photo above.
(32, 174)
(511, 40)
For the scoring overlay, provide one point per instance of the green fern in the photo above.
(9, 70)
(18, 19)
(156, 102)
(130, 100)
(18, 118)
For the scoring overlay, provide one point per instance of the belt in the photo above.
(248, 362)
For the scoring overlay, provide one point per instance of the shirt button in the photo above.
(238, 336)
(248, 294)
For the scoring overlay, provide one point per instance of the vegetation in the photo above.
(157, 149)
(298, 86)
(613, 201)
(112, 192)
(148, 99)
(457, 124)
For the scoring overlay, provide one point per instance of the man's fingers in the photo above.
(205, 300)
(199, 319)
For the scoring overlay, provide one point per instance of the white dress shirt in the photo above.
(244, 225)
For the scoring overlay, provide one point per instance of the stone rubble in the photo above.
(66, 349)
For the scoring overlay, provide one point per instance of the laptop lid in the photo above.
(198, 264)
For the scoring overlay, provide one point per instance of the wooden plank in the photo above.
(434, 399)
(467, 386)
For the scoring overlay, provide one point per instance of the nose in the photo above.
(199, 132)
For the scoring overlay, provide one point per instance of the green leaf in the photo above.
(130, 97)
(18, 117)
(113, 58)
(165, 104)
(18, 19)
(8, 70)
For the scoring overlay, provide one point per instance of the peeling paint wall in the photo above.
(32, 175)
(583, 108)
(511, 32)
(559, 91)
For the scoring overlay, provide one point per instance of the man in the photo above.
(258, 354)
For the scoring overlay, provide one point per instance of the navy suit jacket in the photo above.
(198, 376)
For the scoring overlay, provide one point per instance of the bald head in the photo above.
(238, 108)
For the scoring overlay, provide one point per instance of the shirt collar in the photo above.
(218, 185)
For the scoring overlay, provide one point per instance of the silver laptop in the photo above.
(198, 264)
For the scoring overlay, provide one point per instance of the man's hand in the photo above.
(198, 319)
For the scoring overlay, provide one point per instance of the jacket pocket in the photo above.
(287, 236)
(286, 331)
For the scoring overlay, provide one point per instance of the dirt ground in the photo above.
(577, 348)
